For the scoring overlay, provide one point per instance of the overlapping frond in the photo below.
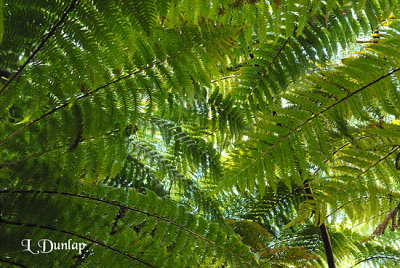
(302, 136)
(88, 111)
(149, 231)
(122, 115)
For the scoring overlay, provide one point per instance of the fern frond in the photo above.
(280, 137)
(163, 215)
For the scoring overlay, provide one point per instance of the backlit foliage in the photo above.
(175, 133)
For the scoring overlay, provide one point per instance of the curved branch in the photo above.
(351, 201)
(272, 202)
(149, 214)
(376, 257)
(315, 172)
(89, 93)
(298, 127)
(77, 235)
(272, 62)
(223, 78)
(58, 147)
(40, 46)
(370, 167)
(30, 156)
(338, 150)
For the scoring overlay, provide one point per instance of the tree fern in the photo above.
(200, 134)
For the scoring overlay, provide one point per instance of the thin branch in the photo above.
(58, 147)
(30, 156)
(272, 61)
(314, 236)
(77, 235)
(149, 214)
(279, 52)
(298, 127)
(276, 202)
(223, 78)
(362, 173)
(370, 167)
(87, 95)
(367, 41)
(82, 257)
(338, 150)
(351, 201)
(376, 257)
(259, 208)
(370, 219)
(40, 46)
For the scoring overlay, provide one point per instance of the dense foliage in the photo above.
(226, 133)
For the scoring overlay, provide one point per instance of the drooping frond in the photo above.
(232, 133)
(151, 232)
(114, 105)
(285, 141)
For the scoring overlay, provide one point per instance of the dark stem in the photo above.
(298, 127)
(376, 257)
(324, 231)
(114, 131)
(40, 46)
(15, 223)
(328, 245)
(88, 94)
(369, 168)
(113, 203)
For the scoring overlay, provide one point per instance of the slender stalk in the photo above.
(328, 245)
(113, 203)
(15, 223)
(39, 47)
(88, 94)
(300, 126)
(369, 168)
(324, 231)
(376, 257)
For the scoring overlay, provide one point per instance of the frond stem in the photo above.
(351, 201)
(77, 235)
(120, 206)
(39, 47)
(376, 257)
(272, 61)
(370, 167)
(338, 150)
(223, 78)
(327, 245)
(86, 95)
(298, 127)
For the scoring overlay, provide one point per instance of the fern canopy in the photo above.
(174, 133)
